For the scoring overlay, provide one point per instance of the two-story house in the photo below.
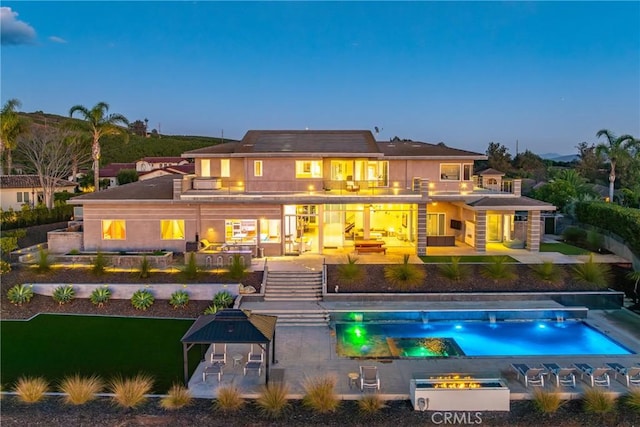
(287, 192)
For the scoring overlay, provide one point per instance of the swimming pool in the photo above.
(450, 339)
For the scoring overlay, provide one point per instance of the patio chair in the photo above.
(532, 376)
(351, 185)
(219, 353)
(632, 375)
(212, 369)
(564, 376)
(597, 376)
(369, 378)
(255, 359)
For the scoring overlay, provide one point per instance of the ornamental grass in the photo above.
(80, 390)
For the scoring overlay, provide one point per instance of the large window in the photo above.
(270, 230)
(449, 172)
(435, 224)
(308, 169)
(114, 229)
(240, 230)
(257, 168)
(172, 229)
(225, 168)
(205, 168)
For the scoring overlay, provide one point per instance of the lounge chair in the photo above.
(632, 375)
(369, 378)
(212, 369)
(219, 353)
(597, 376)
(255, 359)
(564, 376)
(531, 376)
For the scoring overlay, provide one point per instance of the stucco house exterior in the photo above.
(288, 192)
(17, 190)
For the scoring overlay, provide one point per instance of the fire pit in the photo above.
(458, 392)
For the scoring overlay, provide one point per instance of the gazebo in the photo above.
(231, 326)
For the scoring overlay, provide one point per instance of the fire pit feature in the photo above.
(458, 392)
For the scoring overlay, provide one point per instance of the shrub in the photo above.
(546, 402)
(229, 399)
(595, 241)
(131, 392)
(179, 299)
(405, 275)
(99, 265)
(454, 271)
(44, 263)
(64, 294)
(237, 269)
(223, 299)
(596, 401)
(350, 272)
(5, 267)
(574, 234)
(633, 400)
(145, 268)
(370, 404)
(272, 400)
(320, 394)
(20, 294)
(74, 252)
(212, 309)
(498, 269)
(547, 271)
(624, 222)
(191, 270)
(592, 273)
(31, 389)
(178, 397)
(80, 390)
(142, 299)
(100, 296)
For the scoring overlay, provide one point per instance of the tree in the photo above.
(138, 127)
(100, 123)
(567, 186)
(499, 157)
(81, 144)
(617, 150)
(125, 176)
(530, 165)
(46, 150)
(589, 164)
(11, 126)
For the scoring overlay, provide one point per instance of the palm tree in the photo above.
(616, 149)
(100, 123)
(11, 126)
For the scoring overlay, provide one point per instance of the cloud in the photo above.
(57, 39)
(14, 31)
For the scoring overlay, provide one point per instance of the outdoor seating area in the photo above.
(596, 376)
(565, 376)
(631, 375)
(530, 376)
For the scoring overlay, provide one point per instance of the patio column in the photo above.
(533, 231)
(481, 231)
(422, 229)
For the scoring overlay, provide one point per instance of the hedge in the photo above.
(625, 222)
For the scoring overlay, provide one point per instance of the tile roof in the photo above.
(167, 159)
(160, 188)
(424, 149)
(27, 181)
(490, 171)
(112, 169)
(508, 202)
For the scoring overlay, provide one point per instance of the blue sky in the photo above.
(548, 74)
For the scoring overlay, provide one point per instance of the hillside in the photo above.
(115, 149)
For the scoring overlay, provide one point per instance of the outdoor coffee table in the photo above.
(237, 359)
(353, 379)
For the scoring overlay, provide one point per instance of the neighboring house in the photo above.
(185, 169)
(151, 163)
(287, 192)
(111, 171)
(17, 190)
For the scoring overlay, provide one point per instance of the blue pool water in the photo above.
(523, 338)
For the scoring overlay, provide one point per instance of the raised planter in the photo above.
(120, 260)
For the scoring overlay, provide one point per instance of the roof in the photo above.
(490, 171)
(232, 326)
(160, 188)
(28, 181)
(423, 149)
(185, 169)
(166, 159)
(512, 203)
(112, 169)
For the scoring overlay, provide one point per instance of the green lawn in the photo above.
(563, 248)
(54, 346)
(463, 258)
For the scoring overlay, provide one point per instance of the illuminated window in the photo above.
(308, 169)
(257, 167)
(435, 224)
(449, 172)
(270, 230)
(240, 230)
(225, 168)
(114, 229)
(172, 229)
(205, 168)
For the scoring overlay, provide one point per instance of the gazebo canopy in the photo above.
(231, 326)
